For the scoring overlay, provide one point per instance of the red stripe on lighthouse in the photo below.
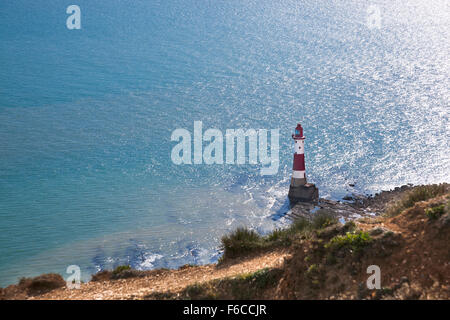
(299, 162)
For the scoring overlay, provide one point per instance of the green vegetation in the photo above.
(119, 269)
(315, 274)
(435, 212)
(258, 280)
(312, 271)
(420, 193)
(244, 286)
(244, 241)
(197, 289)
(355, 240)
(241, 241)
(323, 219)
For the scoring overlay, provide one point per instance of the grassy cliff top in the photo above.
(315, 258)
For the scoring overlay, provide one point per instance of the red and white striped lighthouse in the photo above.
(298, 173)
(300, 190)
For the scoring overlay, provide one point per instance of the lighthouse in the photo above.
(300, 189)
(298, 173)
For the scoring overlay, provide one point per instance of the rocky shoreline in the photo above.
(351, 207)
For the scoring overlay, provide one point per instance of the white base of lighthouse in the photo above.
(299, 175)
(297, 182)
(298, 178)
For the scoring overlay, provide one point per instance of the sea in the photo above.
(87, 115)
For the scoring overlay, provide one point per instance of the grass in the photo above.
(420, 193)
(323, 219)
(260, 279)
(244, 241)
(243, 287)
(355, 241)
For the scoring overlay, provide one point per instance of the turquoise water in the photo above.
(86, 118)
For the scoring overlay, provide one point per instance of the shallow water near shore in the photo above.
(86, 117)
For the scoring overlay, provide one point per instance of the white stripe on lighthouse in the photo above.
(299, 147)
(298, 174)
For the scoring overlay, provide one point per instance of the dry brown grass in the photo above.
(419, 193)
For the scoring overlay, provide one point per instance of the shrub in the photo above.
(299, 226)
(120, 269)
(285, 236)
(194, 290)
(323, 219)
(435, 212)
(278, 235)
(262, 278)
(241, 241)
(420, 193)
(354, 240)
(103, 275)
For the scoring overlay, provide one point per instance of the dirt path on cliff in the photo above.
(165, 280)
